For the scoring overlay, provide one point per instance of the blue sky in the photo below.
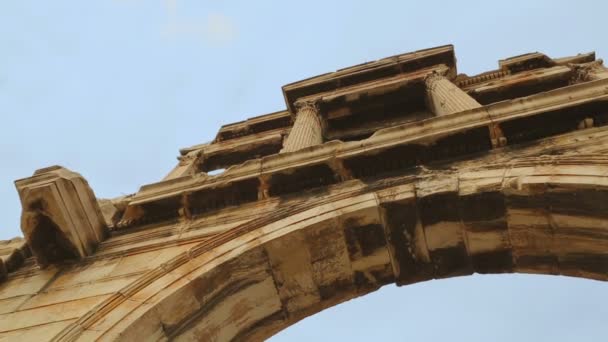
(112, 89)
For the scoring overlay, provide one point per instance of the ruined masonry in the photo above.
(394, 171)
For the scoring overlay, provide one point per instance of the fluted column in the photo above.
(307, 129)
(444, 97)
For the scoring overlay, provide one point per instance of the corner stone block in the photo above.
(60, 219)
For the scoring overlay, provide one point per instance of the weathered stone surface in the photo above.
(427, 177)
(61, 219)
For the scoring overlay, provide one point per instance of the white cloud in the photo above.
(216, 28)
(220, 28)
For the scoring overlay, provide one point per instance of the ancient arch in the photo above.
(536, 215)
(395, 171)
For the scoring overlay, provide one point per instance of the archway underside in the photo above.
(544, 215)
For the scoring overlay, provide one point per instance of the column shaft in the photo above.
(306, 131)
(444, 97)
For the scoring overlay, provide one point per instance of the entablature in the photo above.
(419, 143)
(383, 68)
(255, 125)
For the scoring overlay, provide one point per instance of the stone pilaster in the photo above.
(307, 129)
(444, 97)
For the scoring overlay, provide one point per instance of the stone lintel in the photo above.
(578, 59)
(255, 125)
(525, 62)
(386, 67)
(376, 87)
(533, 76)
(390, 138)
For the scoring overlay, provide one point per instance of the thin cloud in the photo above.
(220, 28)
(216, 28)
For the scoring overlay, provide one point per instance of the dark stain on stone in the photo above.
(592, 263)
(49, 243)
(487, 226)
(302, 179)
(401, 219)
(451, 262)
(407, 156)
(340, 286)
(538, 262)
(268, 321)
(581, 202)
(442, 207)
(484, 206)
(363, 241)
(460, 144)
(231, 194)
(493, 262)
(384, 276)
(530, 128)
(163, 209)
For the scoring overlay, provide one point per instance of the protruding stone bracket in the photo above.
(586, 123)
(61, 218)
(343, 173)
(497, 136)
(263, 189)
(184, 211)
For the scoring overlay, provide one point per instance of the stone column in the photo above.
(444, 97)
(307, 129)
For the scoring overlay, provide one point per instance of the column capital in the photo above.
(444, 97)
(586, 71)
(307, 129)
(313, 105)
(431, 78)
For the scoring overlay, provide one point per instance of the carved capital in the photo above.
(190, 157)
(312, 105)
(431, 79)
(585, 71)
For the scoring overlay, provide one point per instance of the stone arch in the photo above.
(538, 215)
